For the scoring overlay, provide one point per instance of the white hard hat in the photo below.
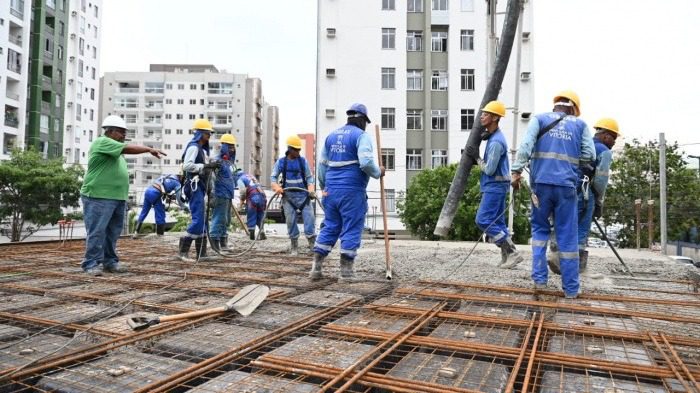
(114, 121)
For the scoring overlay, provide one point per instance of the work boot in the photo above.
(346, 268)
(116, 268)
(223, 244)
(316, 267)
(160, 229)
(513, 258)
(251, 233)
(553, 262)
(504, 255)
(94, 271)
(184, 246)
(294, 250)
(200, 248)
(262, 235)
(582, 260)
(215, 245)
(136, 234)
(312, 241)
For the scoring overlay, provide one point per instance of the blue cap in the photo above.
(358, 108)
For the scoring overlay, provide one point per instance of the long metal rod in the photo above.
(521, 355)
(619, 258)
(679, 361)
(387, 253)
(670, 364)
(526, 381)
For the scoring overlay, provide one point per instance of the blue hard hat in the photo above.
(358, 108)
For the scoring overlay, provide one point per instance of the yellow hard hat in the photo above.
(228, 138)
(608, 124)
(202, 124)
(294, 141)
(573, 97)
(495, 107)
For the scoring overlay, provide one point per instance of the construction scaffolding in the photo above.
(64, 331)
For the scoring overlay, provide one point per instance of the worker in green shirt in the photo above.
(104, 194)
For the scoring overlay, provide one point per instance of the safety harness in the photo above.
(302, 170)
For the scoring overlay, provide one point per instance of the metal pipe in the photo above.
(526, 381)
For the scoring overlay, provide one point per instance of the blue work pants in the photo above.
(220, 217)
(197, 227)
(255, 211)
(345, 214)
(152, 198)
(297, 198)
(104, 220)
(491, 218)
(585, 217)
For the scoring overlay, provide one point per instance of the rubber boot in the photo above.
(223, 244)
(311, 240)
(251, 233)
(136, 234)
(582, 260)
(504, 255)
(553, 254)
(200, 248)
(184, 245)
(316, 267)
(346, 268)
(513, 258)
(160, 229)
(262, 234)
(215, 245)
(294, 250)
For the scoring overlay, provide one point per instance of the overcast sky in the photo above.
(635, 60)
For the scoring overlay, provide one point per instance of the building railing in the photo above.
(48, 55)
(49, 30)
(45, 106)
(51, 4)
(154, 90)
(128, 90)
(16, 40)
(17, 13)
(14, 67)
(12, 95)
(11, 121)
(220, 91)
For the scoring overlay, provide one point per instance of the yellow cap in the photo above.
(495, 107)
(228, 138)
(202, 124)
(573, 97)
(608, 124)
(294, 141)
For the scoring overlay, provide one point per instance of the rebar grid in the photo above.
(362, 336)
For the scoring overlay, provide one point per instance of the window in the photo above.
(166, 146)
(467, 117)
(192, 116)
(96, 12)
(438, 158)
(92, 94)
(94, 52)
(81, 47)
(80, 68)
(388, 159)
(166, 162)
(181, 101)
(178, 131)
(390, 197)
(388, 78)
(168, 116)
(59, 52)
(91, 136)
(82, 25)
(93, 73)
(167, 131)
(92, 114)
(439, 41)
(178, 146)
(181, 86)
(193, 101)
(388, 38)
(415, 6)
(414, 159)
(61, 28)
(82, 5)
(178, 116)
(466, 79)
(389, 118)
(439, 5)
(414, 41)
(193, 86)
(466, 39)
(388, 5)
(414, 80)
(439, 80)
(168, 86)
(467, 5)
(414, 119)
(94, 31)
(79, 91)
(438, 119)
(78, 112)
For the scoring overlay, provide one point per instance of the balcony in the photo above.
(14, 67)
(220, 91)
(11, 121)
(45, 107)
(128, 90)
(51, 4)
(46, 81)
(12, 95)
(49, 30)
(154, 90)
(16, 40)
(153, 106)
(152, 122)
(48, 55)
(16, 12)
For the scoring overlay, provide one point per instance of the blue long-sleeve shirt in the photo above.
(365, 155)
(277, 170)
(493, 155)
(602, 174)
(527, 146)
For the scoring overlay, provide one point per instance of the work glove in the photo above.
(597, 211)
(312, 195)
(212, 165)
(481, 163)
(587, 169)
(515, 180)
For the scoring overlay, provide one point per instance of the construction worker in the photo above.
(557, 144)
(293, 170)
(224, 187)
(162, 190)
(103, 195)
(494, 184)
(347, 162)
(591, 193)
(252, 196)
(197, 172)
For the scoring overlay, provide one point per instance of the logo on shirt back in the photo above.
(560, 131)
(338, 146)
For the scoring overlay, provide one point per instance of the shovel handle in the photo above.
(192, 314)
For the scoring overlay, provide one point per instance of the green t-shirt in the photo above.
(107, 176)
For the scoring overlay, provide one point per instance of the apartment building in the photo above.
(421, 67)
(308, 147)
(160, 106)
(270, 151)
(81, 122)
(15, 31)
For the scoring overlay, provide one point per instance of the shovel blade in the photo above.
(248, 299)
(139, 323)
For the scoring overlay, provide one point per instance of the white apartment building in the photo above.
(160, 106)
(81, 120)
(421, 67)
(15, 31)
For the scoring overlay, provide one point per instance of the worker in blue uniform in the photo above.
(224, 187)
(591, 192)
(197, 171)
(556, 144)
(494, 183)
(293, 171)
(162, 191)
(253, 197)
(347, 162)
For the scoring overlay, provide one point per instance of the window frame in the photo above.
(388, 118)
(414, 40)
(441, 116)
(439, 80)
(388, 78)
(413, 116)
(388, 158)
(466, 38)
(414, 80)
(438, 41)
(414, 156)
(467, 79)
(388, 38)
(464, 115)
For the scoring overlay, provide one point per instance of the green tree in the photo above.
(635, 175)
(32, 192)
(420, 209)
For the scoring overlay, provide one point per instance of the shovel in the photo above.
(245, 302)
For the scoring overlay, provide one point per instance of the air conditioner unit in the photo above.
(69, 104)
(330, 72)
(526, 36)
(525, 116)
(70, 81)
(71, 59)
(74, 13)
(330, 32)
(524, 76)
(330, 113)
(72, 36)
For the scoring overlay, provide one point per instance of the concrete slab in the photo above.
(595, 321)
(322, 351)
(373, 321)
(493, 310)
(247, 276)
(452, 371)
(118, 372)
(272, 316)
(600, 348)
(206, 341)
(398, 301)
(12, 302)
(34, 348)
(478, 334)
(12, 333)
(202, 302)
(72, 313)
(238, 381)
(150, 295)
(93, 288)
(358, 287)
(211, 283)
(118, 324)
(48, 283)
(323, 298)
(562, 382)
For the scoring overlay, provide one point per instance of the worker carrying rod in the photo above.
(494, 184)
